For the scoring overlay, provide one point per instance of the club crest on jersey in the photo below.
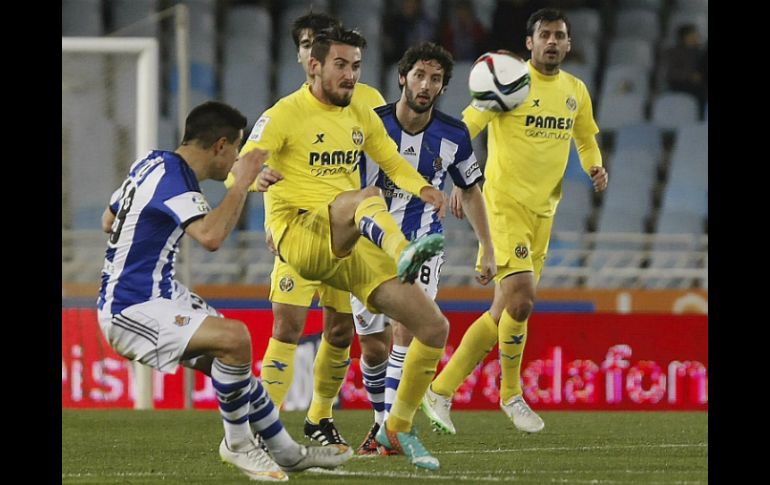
(181, 320)
(286, 284)
(362, 321)
(571, 103)
(521, 251)
(437, 164)
(358, 136)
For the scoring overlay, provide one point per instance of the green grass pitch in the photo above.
(180, 447)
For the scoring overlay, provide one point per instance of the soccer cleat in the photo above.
(369, 446)
(415, 254)
(409, 445)
(324, 432)
(436, 407)
(253, 462)
(523, 417)
(327, 457)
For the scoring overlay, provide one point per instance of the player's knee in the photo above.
(339, 333)
(374, 351)
(521, 308)
(435, 332)
(287, 329)
(235, 339)
(371, 191)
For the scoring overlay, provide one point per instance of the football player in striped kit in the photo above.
(149, 317)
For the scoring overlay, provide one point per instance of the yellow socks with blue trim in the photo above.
(513, 337)
(419, 369)
(329, 371)
(278, 370)
(377, 225)
(477, 342)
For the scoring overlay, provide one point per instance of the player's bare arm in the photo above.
(107, 219)
(212, 229)
(456, 203)
(431, 195)
(473, 203)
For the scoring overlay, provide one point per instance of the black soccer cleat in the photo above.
(324, 432)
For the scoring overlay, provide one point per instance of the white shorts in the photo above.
(156, 332)
(368, 323)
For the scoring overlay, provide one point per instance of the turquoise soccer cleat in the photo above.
(416, 254)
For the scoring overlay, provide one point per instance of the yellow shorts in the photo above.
(520, 238)
(306, 246)
(288, 287)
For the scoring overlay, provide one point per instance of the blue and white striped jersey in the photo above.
(444, 146)
(160, 197)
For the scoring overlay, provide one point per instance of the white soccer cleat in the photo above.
(436, 407)
(253, 462)
(523, 417)
(329, 456)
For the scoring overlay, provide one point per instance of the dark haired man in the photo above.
(148, 316)
(523, 173)
(317, 214)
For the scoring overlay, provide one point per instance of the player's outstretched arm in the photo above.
(456, 202)
(473, 205)
(431, 195)
(212, 229)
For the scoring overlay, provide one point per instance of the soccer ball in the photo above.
(499, 81)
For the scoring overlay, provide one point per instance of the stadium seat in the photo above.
(633, 52)
(640, 136)
(574, 207)
(618, 110)
(626, 79)
(672, 110)
(638, 23)
(585, 23)
(252, 21)
(391, 91)
(693, 6)
(245, 81)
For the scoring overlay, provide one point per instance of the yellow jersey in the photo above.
(316, 147)
(528, 147)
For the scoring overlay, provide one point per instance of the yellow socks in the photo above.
(477, 342)
(329, 370)
(513, 337)
(278, 370)
(419, 369)
(377, 225)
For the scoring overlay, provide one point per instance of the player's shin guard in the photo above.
(377, 225)
(477, 342)
(393, 376)
(374, 382)
(329, 370)
(419, 369)
(513, 337)
(233, 386)
(278, 369)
